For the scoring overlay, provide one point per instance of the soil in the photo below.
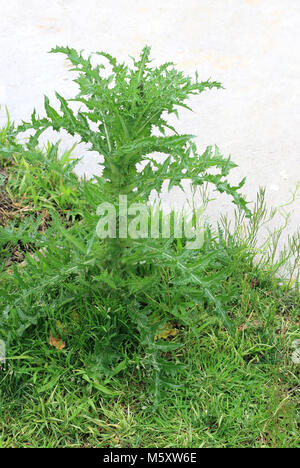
(7, 208)
(10, 210)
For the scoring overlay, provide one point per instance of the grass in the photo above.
(239, 390)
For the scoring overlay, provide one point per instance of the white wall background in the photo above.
(251, 46)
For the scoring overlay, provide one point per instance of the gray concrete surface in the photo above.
(251, 46)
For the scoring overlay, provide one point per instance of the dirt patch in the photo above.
(9, 209)
(17, 253)
(6, 204)
(12, 211)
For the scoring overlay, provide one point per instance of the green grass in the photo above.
(239, 390)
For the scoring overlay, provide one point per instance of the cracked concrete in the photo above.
(251, 46)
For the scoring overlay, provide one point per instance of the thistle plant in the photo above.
(123, 116)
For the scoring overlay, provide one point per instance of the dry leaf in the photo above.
(166, 331)
(56, 342)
